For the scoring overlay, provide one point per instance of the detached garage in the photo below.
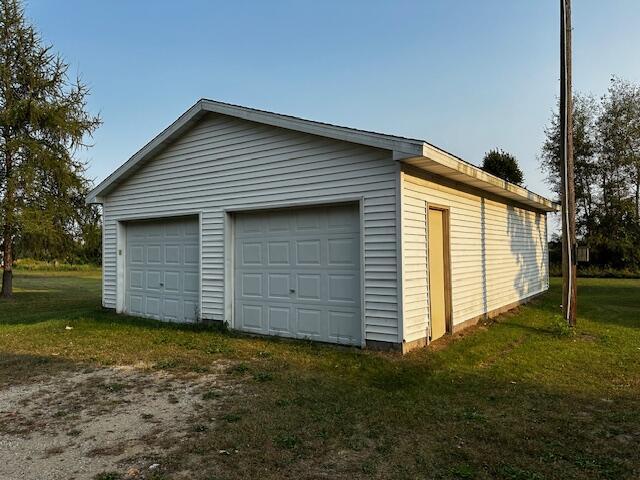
(289, 227)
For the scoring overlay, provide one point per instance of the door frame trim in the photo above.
(446, 231)
(121, 252)
(229, 248)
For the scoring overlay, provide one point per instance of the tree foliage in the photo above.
(606, 135)
(503, 165)
(43, 123)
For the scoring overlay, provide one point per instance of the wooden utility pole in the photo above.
(569, 288)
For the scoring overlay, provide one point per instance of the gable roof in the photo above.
(418, 153)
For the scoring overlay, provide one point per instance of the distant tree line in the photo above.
(606, 135)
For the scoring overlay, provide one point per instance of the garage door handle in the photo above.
(162, 284)
(291, 290)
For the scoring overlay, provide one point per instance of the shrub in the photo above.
(30, 264)
(560, 327)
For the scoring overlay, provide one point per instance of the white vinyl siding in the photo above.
(229, 163)
(498, 251)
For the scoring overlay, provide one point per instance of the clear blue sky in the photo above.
(464, 75)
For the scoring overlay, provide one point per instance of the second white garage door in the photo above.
(297, 273)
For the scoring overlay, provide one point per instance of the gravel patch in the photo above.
(78, 424)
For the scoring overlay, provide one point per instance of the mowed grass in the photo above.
(517, 399)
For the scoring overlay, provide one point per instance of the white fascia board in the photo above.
(464, 172)
(362, 137)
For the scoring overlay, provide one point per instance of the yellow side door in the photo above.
(437, 279)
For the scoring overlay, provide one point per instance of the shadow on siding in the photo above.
(524, 236)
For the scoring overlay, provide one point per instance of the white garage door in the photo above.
(162, 269)
(297, 273)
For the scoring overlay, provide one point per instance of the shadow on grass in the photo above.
(16, 369)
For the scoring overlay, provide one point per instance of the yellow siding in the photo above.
(498, 251)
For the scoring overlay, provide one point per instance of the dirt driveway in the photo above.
(84, 424)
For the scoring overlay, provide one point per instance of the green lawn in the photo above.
(517, 399)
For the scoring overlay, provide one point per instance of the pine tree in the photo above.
(43, 123)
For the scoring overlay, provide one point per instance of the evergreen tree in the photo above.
(43, 123)
(503, 165)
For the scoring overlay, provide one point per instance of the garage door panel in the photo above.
(191, 283)
(278, 222)
(343, 219)
(309, 286)
(134, 233)
(173, 230)
(163, 269)
(278, 253)
(172, 283)
(192, 229)
(251, 254)
(305, 223)
(170, 308)
(136, 304)
(309, 322)
(152, 306)
(191, 256)
(136, 279)
(250, 225)
(190, 310)
(343, 288)
(342, 327)
(172, 254)
(154, 254)
(136, 255)
(251, 316)
(154, 279)
(153, 230)
(279, 319)
(343, 252)
(278, 286)
(251, 284)
(308, 252)
(292, 267)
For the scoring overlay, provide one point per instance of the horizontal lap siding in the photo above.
(415, 277)
(225, 162)
(498, 252)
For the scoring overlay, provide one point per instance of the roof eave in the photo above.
(362, 137)
(439, 162)
(415, 152)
